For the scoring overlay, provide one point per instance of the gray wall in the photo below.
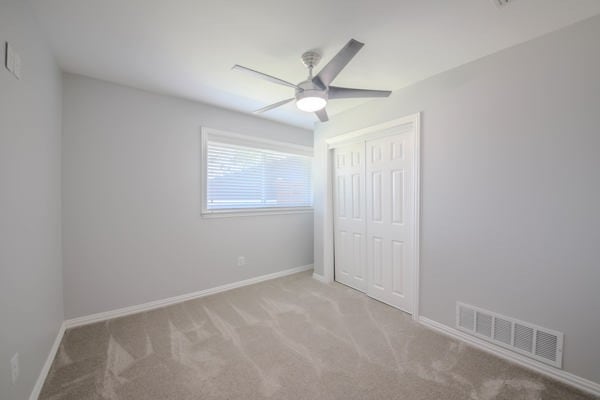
(131, 194)
(510, 186)
(31, 304)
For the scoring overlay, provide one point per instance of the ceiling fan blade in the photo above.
(349, 93)
(322, 114)
(337, 63)
(264, 76)
(272, 106)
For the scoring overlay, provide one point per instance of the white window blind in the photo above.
(245, 178)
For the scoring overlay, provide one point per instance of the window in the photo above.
(250, 175)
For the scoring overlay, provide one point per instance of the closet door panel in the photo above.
(349, 216)
(388, 226)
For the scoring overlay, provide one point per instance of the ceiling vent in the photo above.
(539, 343)
(502, 3)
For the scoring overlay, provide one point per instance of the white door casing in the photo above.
(349, 216)
(389, 189)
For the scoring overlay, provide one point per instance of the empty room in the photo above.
(237, 200)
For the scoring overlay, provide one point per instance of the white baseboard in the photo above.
(121, 312)
(319, 277)
(37, 388)
(558, 374)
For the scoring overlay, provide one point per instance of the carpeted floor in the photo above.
(289, 338)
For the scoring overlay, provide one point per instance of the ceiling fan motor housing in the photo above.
(310, 89)
(311, 93)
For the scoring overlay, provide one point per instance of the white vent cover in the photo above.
(542, 344)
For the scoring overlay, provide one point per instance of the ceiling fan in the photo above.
(313, 93)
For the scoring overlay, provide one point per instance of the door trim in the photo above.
(410, 123)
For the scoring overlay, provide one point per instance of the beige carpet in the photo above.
(289, 338)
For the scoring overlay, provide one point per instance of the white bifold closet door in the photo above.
(373, 227)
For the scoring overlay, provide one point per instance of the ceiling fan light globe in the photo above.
(311, 104)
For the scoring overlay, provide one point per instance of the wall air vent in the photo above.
(539, 343)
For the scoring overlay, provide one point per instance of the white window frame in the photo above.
(246, 141)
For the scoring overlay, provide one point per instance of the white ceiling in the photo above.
(187, 47)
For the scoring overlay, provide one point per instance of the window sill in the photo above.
(254, 213)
